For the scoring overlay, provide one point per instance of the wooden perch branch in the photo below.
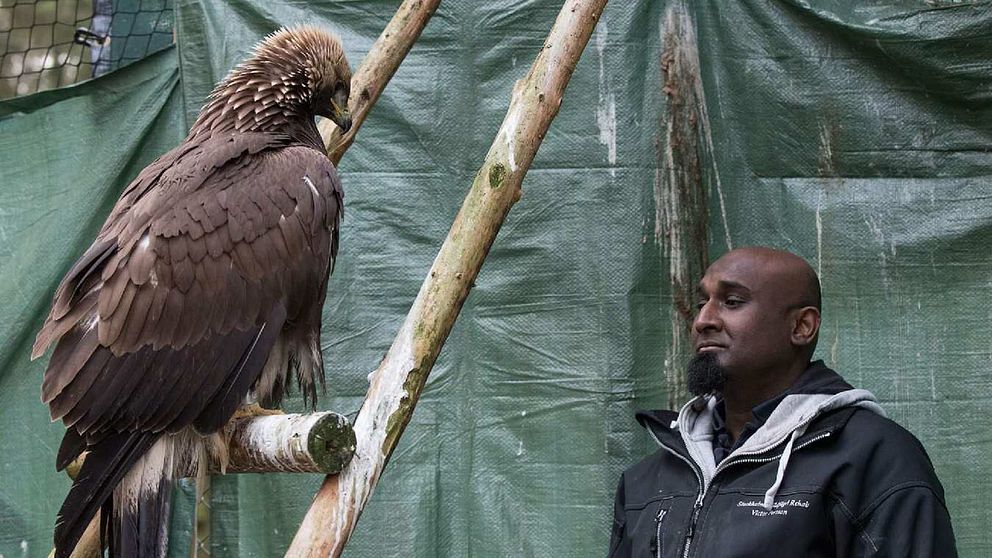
(313, 443)
(397, 383)
(279, 443)
(378, 67)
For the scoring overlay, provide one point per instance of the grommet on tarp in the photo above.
(84, 36)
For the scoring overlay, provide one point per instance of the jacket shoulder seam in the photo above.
(909, 485)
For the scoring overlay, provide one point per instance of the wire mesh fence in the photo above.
(50, 43)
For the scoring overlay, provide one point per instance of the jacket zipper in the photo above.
(699, 498)
(658, 520)
(726, 464)
(697, 506)
(692, 524)
(802, 424)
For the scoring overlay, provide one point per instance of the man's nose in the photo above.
(708, 317)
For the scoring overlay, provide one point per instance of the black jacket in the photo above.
(826, 475)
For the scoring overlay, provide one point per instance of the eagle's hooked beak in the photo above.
(340, 114)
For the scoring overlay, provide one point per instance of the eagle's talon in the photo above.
(255, 410)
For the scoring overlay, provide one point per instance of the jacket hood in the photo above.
(819, 390)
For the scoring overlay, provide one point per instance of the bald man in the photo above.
(776, 456)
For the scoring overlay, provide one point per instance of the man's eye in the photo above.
(700, 304)
(733, 302)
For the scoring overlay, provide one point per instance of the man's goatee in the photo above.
(704, 374)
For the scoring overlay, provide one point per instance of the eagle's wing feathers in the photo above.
(199, 280)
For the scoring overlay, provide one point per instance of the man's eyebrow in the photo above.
(723, 285)
(732, 285)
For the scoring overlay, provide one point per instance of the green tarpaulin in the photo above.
(856, 134)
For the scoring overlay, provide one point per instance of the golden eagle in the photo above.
(203, 288)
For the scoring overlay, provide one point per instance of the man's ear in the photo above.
(806, 326)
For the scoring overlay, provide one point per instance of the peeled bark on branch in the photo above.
(397, 383)
(313, 443)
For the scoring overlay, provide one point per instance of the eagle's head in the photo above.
(327, 76)
(292, 74)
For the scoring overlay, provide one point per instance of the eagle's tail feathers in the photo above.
(105, 466)
(141, 505)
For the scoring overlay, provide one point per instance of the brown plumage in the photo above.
(204, 287)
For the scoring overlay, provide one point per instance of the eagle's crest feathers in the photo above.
(293, 73)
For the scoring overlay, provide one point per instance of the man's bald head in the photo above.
(791, 275)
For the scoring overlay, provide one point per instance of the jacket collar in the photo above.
(664, 428)
(817, 379)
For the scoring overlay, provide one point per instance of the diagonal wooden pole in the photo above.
(397, 384)
(367, 85)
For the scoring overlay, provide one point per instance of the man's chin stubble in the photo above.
(704, 375)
